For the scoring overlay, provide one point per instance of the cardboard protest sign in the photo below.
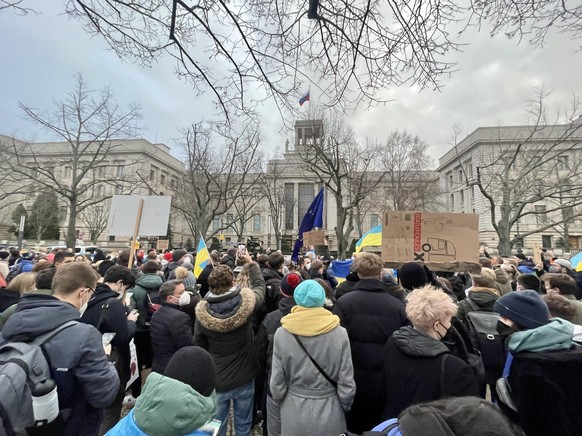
(315, 237)
(442, 241)
(162, 244)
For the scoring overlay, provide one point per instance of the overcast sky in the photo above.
(39, 54)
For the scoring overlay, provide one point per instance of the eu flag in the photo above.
(313, 218)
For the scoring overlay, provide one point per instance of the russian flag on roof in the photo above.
(304, 98)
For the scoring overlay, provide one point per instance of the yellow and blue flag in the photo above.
(372, 238)
(202, 257)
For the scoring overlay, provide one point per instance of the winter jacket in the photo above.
(347, 285)
(167, 407)
(267, 331)
(144, 286)
(224, 327)
(309, 404)
(577, 305)
(484, 298)
(273, 288)
(8, 298)
(22, 267)
(370, 315)
(502, 282)
(113, 320)
(170, 272)
(170, 330)
(419, 368)
(202, 279)
(228, 261)
(545, 378)
(86, 381)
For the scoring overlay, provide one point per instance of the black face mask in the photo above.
(504, 330)
(448, 336)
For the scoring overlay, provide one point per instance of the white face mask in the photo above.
(83, 307)
(184, 299)
(307, 266)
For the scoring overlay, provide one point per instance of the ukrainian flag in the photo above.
(202, 257)
(372, 238)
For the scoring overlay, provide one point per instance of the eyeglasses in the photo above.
(89, 289)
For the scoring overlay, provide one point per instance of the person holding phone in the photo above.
(108, 314)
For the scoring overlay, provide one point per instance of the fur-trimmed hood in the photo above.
(205, 316)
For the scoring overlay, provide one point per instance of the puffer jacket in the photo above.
(224, 327)
(86, 381)
(144, 286)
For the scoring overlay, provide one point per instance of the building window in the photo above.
(216, 223)
(257, 223)
(460, 176)
(563, 162)
(452, 202)
(547, 241)
(451, 182)
(374, 220)
(101, 171)
(152, 175)
(100, 191)
(289, 205)
(172, 183)
(68, 172)
(120, 169)
(306, 196)
(163, 179)
(63, 214)
(541, 215)
(118, 189)
(229, 218)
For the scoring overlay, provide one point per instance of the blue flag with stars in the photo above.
(313, 218)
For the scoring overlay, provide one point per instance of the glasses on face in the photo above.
(91, 290)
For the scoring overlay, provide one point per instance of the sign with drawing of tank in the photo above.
(443, 241)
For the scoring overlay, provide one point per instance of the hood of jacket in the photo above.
(501, 276)
(38, 314)
(286, 304)
(102, 294)
(172, 266)
(555, 335)
(418, 344)
(483, 297)
(353, 277)
(8, 298)
(214, 321)
(170, 407)
(150, 281)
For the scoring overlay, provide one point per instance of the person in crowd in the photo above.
(24, 265)
(14, 256)
(224, 327)
(264, 343)
(107, 313)
(544, 371)
(170, 328)
(23, 283)
(502, 281)
(482, 294)
(187, 277)
(229, 258)
(144, 293)
(202, 279)
(179, 402)
(329, 295)
(178, 257)
(350, 282)
(8, 297)
(564, 285)
(370, 315)
(86, 381)
(418, 367)
(512, 273)
(63, 257)
(460, 416)
(559, 306)
(312, 378)
(273, 273)
(4, 268)
(527, 281)
(104, 266)
(304, 266)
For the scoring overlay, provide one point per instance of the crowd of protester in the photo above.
(260, 341)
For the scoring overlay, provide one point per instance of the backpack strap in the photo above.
(323, 373)
(472, 303)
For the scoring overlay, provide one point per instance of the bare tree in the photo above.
(89, 126)
(17, 6)
(348, 169)
(244, 209)
(95, 219)
(529, 173)
(408, 183)
(44, 216)
(221, 167)
(273, 190)
(281, 47)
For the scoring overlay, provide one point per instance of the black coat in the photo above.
(7, 299)
(202, 279)
(170, 329)
(415, 371)
(347, 285)
(370, 315)
(273, 288)
(114, 321)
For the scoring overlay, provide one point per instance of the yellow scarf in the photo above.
(309, 321)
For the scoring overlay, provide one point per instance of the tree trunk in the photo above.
(342, 241)
(72, 224)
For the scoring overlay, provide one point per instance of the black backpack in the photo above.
(484, 335)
